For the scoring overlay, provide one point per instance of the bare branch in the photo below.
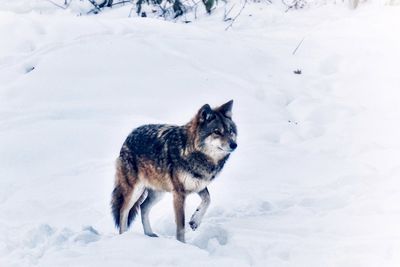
(294, 51)
(121, 3)
(96, 6)
(66, 5)
(238, 14)
(226, 13)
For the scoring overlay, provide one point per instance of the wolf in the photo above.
(159, 158)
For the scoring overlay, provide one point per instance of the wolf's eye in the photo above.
(217, 132)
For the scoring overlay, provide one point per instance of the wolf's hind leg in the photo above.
(152, 198)
(130, 199)
(201, 209)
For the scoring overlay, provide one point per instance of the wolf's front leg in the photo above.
(179, 208)
(201, 209)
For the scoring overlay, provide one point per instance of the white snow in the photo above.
(314, 181)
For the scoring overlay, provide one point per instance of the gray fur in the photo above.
(168, 158)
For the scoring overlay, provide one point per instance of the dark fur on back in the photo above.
(156, 154)
(164, 146)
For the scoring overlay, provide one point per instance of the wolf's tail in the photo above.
(117, 200)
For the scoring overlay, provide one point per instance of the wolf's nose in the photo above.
(233, 145)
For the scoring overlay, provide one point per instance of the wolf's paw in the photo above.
(193, 224)
(151, 234)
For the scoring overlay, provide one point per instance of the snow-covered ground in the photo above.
(313, 183)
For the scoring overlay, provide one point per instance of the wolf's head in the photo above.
(215, 130)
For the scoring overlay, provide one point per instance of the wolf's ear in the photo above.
(206, 113)
(226, 109)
